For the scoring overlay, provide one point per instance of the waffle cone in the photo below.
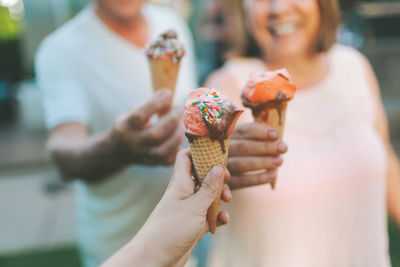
(206, 153)
(164, 73)
(273, 115)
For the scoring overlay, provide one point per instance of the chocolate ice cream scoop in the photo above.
(166, 46)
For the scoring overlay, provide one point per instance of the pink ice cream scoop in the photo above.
(208, 112)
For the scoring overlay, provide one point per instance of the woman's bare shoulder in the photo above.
(219, 77)
(223, 81)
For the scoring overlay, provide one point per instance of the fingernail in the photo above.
(228, 191)
(227, 217)
(216, 171)
(282, 147)
(278, 161)
(274, 134)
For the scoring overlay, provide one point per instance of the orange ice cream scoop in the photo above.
(267, 86)
(208, 112)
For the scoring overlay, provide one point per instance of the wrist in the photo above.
(116, 148)
(135, 253)
(147, 249)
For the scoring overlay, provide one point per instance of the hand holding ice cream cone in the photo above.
(267, 95)
(209, 118)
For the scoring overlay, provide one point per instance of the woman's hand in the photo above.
(254, 147)
(179, 220)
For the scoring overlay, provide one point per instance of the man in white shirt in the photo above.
(92, 72)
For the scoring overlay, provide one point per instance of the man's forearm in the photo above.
(89, 158)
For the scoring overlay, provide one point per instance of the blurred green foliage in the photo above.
(394, 237)
(56, 257)
(9, 28)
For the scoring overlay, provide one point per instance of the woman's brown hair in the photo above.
(329, 22)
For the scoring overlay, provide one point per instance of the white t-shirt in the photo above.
(89, 74)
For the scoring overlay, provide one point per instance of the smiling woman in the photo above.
(329, 206)
(285, 31)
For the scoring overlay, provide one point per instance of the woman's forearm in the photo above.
(145, 249)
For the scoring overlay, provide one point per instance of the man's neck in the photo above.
(134, 30)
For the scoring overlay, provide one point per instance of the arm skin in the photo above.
(130, 140)
(179, 220)
(393, 168)
(253, 146)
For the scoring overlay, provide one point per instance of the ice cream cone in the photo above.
(209, 118)
(164, 55)
(273, 115)
(267, 94)
(164, 74)
(207, 153)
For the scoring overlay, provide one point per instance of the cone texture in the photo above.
(164, 73)
(206, 153)
(272, 117)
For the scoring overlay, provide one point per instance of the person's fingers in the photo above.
(227, 175)
(210, 188)
(245, 164)
(170, 146)
(223, 218)
(255, 131)
(226, 195)
(181, 175)
(255, 148)
(163, 129)
(159, 102)
(237, 182)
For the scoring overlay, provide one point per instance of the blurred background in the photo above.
(36, 208)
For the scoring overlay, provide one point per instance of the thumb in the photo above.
(210, 188)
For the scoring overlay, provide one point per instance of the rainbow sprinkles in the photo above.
(166, 46)
(211, 106)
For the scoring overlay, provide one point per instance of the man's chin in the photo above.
(121, 14)
(126, 18)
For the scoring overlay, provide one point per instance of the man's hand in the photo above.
(132, 139)
(135, 140)
(254, 147)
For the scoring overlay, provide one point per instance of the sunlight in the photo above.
(9, 3)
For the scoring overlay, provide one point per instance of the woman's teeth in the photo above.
(283, 29)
